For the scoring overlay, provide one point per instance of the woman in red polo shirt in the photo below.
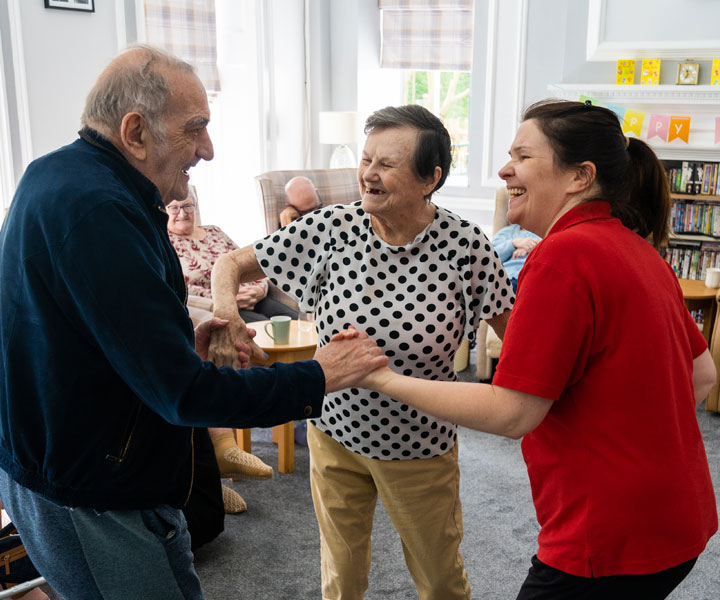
(601, 367)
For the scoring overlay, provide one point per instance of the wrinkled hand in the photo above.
(519, 253)
(232, 345)
(203, 335)
(249, 295)
(348, 358)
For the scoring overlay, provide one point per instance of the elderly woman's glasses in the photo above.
(174, 209)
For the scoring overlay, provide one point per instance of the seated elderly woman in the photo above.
(198, 248)
(418, 279)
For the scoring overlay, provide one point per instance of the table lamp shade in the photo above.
(340, 128)
(337, 127)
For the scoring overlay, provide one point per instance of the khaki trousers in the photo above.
(422, 498)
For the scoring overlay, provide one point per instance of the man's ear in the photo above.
(583, 176)
(133, 135)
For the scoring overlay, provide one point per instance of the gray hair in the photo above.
(433, 147)
(134, 86)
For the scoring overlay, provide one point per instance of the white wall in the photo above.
(64, 51)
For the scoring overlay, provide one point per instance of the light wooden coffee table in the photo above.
(698, 296)
(301, 346)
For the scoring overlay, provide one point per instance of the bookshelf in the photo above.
(694, 244)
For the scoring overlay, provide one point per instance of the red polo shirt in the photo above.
(618, 469)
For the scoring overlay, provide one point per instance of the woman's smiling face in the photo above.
(537, 187)
(388, 183)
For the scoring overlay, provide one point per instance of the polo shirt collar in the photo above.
(587, 211)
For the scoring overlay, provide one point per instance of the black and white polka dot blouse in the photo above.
(417, 301)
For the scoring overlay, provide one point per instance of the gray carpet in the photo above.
(271, 552)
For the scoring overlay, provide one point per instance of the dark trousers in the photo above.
(266, 308)
(204, 511)
(546, 583)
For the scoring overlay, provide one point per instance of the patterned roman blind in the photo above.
(427, 34)
(186, 28)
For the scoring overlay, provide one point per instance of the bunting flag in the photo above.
(679, 128)
(665, 127)
(618, 110)
(717, 129)
(659, 126)
(633, 121)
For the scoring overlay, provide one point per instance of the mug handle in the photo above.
(266, 331)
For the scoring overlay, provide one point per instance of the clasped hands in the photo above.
(347, 361)
(248, 296)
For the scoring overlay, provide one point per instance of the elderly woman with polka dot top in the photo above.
(417, 278)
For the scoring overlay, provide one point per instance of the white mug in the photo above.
(712, 277)
(280, 326)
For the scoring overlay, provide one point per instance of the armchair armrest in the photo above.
(200, 302)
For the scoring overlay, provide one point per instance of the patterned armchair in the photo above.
(334, 186)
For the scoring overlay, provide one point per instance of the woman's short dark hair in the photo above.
(628, 174)
(433, 147)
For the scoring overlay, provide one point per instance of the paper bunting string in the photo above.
(679, 129)
(666, 127)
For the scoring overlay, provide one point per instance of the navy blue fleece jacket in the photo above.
(100, 381)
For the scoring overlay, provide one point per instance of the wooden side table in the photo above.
(698, 296)
(301, 346)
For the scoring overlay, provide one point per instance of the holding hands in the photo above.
(373, 378)
(203, 335)
(230, 343)
(348, 359)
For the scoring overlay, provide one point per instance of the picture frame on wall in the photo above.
(82, 5)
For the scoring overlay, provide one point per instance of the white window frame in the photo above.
(496, 100)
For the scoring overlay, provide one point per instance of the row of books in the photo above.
(692, 262)
(699, 317)
(694, 177)
(695, 217)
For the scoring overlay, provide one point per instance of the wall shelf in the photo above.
(700, 102)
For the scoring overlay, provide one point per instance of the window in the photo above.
(445, 94)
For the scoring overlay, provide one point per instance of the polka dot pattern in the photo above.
(417, 301)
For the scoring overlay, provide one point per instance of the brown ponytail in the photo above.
(628, 174)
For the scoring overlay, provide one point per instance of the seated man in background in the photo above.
(302, 198)
(513, 244)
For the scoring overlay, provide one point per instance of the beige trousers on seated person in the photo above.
(422, 498)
